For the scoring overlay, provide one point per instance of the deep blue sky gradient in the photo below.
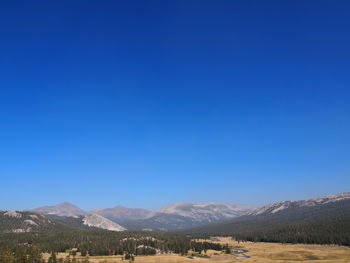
(145, 103)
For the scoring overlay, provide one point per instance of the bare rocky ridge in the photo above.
(209, 212)
(95, 220)
(89, 219)
(280, 206)
(63, 209)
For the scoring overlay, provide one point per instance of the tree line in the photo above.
(329, 224)
(27, 247)
(33, 254)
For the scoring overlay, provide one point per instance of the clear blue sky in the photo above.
(145, 103)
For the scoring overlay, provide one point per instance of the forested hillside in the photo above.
(325, 224)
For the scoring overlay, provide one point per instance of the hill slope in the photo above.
(323, 220)
(71, 216)
(21, 222)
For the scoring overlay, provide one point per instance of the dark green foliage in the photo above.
(32, 254)
(227, 249)
(144, 250)
(129, 257)
(52, 258)
(24, 221)
(97, 242)
(326, 224)
(7, 256)
(204, 246)
(21, 254)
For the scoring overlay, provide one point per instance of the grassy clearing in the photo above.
(258, 252)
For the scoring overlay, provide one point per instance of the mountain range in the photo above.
(287, 221)
(63, 209)
(122, 214)
(172, 217)
(186, 215)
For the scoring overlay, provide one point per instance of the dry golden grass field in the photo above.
(257, 252)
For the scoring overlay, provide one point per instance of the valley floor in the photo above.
(251, 252)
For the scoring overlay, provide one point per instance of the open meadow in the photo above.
(247, 252)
